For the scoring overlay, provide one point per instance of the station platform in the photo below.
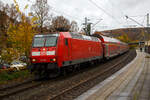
(130, 83)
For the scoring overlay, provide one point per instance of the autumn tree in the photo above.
(13, 14)
(20, 35)
(7, 15)
(41, 11)
(60, 23)
(124, 38)
(3, 29)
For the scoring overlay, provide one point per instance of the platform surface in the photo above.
(130, 83)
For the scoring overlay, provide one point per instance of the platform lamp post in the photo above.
(127, 17)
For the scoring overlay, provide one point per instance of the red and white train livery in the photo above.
(52, 52)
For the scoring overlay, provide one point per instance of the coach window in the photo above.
(66, 41)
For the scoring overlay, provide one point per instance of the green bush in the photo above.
(5, 76)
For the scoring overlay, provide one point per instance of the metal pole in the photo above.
(86, 25)
(140, 25)
(147, 27)
(147, 19)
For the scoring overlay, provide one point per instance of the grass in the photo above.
(6, 77)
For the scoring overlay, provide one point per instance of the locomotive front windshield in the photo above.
(45, 41)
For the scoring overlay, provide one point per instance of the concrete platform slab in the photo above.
(130, 83)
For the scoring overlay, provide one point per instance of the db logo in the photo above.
(43, 53)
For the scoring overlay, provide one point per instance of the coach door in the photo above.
(67, 45)
(107, 50)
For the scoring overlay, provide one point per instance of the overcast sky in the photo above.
(112, 12)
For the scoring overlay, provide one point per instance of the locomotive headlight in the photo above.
(50, 52)
(54, 59)
(35, 53)
(33, 60)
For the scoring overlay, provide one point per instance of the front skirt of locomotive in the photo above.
(45, 70)
(43, 66)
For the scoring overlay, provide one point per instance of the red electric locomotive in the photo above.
(53, 52)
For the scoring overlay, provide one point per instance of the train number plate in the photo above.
(42, 59)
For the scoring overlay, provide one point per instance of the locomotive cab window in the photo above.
(38, 42)
(51, 41)
(45, 41)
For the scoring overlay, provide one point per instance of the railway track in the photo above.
(62, 87)
(80, 84)
(12, 90)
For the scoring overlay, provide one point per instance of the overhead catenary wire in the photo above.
(60, 12)
(105, 11)
(143, 20)
(124, 15)
(138, 16)
(57, 11)
(121, 12)
(134, 21)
